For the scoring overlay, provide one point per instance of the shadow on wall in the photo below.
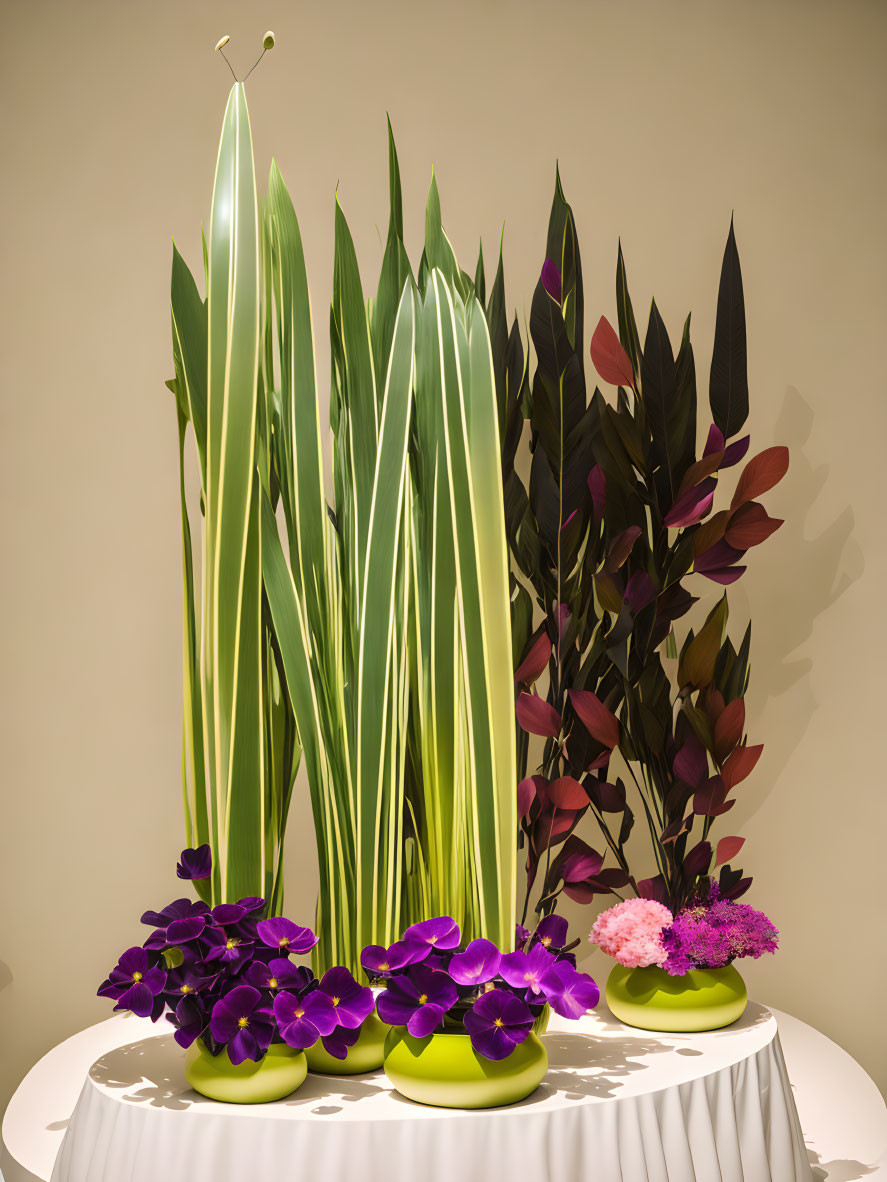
(814, 572)
(843, 1170)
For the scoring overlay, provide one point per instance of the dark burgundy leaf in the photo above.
(653, 888)
(724, 575)
(597, 486)
(750, 525)
(527, 794)
(639, 591)
(537, 716)
(728, 728)
(717, 557)
(583, 864)
(606, 797)
(610, 359)
(690, 764)
(621, 547)
(728, 383)
(735, 891)
(698, 860)
(551, 280)
(715, 440)
(535, 660)
(567, 793)
(735, 451)
(728, 848)
(709, 800)
(692, 505)
(740, 764)
(595, 717)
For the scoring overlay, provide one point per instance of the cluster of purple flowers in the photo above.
(714, 933)
(224, 975)
(432, 983)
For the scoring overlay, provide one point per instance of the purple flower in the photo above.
(521, 935)
(478, 964)
(418, 999)
(337, 1043)
(251, 903)
(182, 931)
(551, 280)
(569, 993)
(712, 935)
(441, 933)
(303, 1020)
(380, 962)
(282, 933)
(497, 1022)
(232, 950)
(551, 932)
(189, 1019)
(238, 1021)
(524, 970)
(136, 984)
(278, 974)
(183, 981)
(352, 1002)
(195, 864)
(227, 914)
(178, 909)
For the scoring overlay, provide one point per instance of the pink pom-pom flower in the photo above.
(630, 931)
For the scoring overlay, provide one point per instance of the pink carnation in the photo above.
(630, 931)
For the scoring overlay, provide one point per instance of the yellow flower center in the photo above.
(432, 940)
(335, 1001)
(272, 982)
(243, 1023)
(298, 1013)
(546, 940)
(423, 998)
(186, 989)
(231, 943)
(383, 968)
(283, 942)
(498, 1022)
(137, 976)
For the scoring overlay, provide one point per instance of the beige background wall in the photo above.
(665, 115)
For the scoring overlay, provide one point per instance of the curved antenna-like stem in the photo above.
(220, 48)
(267, 43)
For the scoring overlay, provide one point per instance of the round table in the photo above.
(617, 1104)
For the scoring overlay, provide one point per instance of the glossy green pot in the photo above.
(702, 999)
(444, 1070)
(278, 1073)
(366, 1054)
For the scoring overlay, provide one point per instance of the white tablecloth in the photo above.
(618, 1105)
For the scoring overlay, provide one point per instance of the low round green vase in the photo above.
(366, 1054)
(278, 1073)
(444, 1070)
(702, 999)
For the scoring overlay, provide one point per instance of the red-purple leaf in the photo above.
(673, 831)
(606, 797)
(610, 359)
(699, 471)
(715, 440)
(724, 575)
(597, 486)
(595, 717)
(760, 474)
(535, 660)
(740, 764)
(718, 556)
(621, 547)
(551, 280)
(690, 763)
(691, 505)
(740, 888)
(653, 888)
(735, 451)
(567, 793)
(728, 847)
(583, 864)
(639, 591)
(600, 761)
(709, 800)
(728, 728)
(698, 860)
(750, 525)
(526, 794)
(537, 717)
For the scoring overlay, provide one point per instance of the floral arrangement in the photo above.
(224, 975)
(433, 984)
(710, 933)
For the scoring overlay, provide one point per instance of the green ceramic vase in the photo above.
(278, 1073)
(366, 1054)
(702, 999)
(444, 1070)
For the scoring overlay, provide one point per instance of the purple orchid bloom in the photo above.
(478, 964)
(303, 1020)
(524, 970)
(178, 909)
(227, 914)
(418, 999)
(551, 932)
(381, 962)
(337, 1043)
(430, 934)
(183, 981)
(497, 1022)
(278, 974)
(238, 1020)
(189, 1019)
(182, 931)
(352, 1002)
(282, 933)
(136, 984)
(195, 864)
(521, 935)
(251, 903)
(569, 993)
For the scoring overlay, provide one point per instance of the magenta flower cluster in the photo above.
(224, 975)
(710, 933)
(432, 983)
